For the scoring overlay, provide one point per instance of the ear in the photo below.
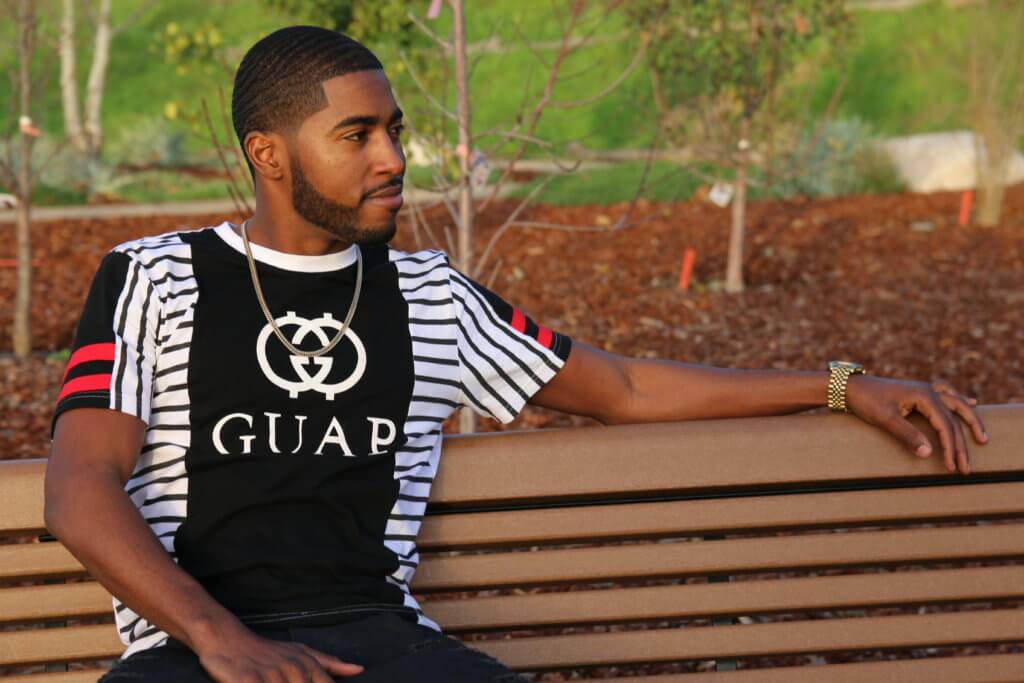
(266, 152)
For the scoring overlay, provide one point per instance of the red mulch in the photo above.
(889, 281)
(845, 278)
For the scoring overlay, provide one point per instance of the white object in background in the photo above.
(8, 201)
(420, 152)
(720, 194)
(26, 127)
(938, 162)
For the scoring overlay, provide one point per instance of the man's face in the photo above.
(347, 162)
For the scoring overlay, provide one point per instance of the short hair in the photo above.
(278, 85)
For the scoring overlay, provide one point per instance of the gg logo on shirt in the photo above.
(323, 364)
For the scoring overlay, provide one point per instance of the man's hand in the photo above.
(243, 657)
(886, 403)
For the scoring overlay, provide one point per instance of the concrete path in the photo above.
(58, 213)
(186, 208)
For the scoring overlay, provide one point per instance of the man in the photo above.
(251, 419)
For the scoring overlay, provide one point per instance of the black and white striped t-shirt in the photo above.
(293, 488)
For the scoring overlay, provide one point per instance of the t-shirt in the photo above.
(293, 488)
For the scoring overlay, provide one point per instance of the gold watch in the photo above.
(839, 372)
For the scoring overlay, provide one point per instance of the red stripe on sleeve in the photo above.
(89, 353)
(544, 336)
(86, 383)
(518, 320)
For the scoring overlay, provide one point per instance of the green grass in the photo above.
(665, 182)
(892, 82)
(896, 78)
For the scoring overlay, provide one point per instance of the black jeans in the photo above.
(390, 648)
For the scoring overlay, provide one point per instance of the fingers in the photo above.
(954, 451)
(908, 434)
(331, 664)
(960, 405)
(944, 387)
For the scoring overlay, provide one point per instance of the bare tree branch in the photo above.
(57, 149)
(538, 109)
(242, 164)
(423, 88)
(637, 60)
(510, 220)
(133, 17)
(8, 176)
(444, 44)
(417, 211)
(236, 195)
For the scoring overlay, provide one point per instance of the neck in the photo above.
(294, 236)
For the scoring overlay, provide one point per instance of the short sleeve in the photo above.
(115, 346)
(504, 356)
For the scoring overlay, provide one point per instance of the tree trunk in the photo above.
(94, 92)
(734, 266)
(467, 419)
(22, 331)
(991, 161)
(69, 80)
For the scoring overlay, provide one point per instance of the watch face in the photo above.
(841, 364)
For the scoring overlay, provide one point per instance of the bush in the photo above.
(839, 158)
(151, 140)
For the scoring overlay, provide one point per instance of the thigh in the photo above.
(171, 663)
(440, 659)
(394, 649)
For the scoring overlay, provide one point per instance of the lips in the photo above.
(389, 197)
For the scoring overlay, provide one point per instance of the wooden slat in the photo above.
(734, 599)
(862, 548)
(973, 669)
(37, 560)
(716, 642)
(720, 515)
(21, 490)
(701, 456)
(71, 644)
(69, 677)
(59, 601)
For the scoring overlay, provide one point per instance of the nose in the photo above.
(390, 157)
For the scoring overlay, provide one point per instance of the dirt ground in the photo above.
(889, 281)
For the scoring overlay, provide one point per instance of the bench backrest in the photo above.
(768, 541)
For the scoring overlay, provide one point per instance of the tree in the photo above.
(436, 70)
(518, 137)
(86, 135)
(20, 179)
(995, 93)
(716, 65)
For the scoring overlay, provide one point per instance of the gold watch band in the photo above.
(839, 372)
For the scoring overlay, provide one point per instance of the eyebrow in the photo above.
(366, 120)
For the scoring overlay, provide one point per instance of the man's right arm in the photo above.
(94, 453)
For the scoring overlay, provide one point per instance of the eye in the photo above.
(358, 136)
(396, 131)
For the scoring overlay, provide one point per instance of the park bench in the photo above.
(666, 553)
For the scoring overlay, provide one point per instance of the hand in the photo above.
(886, 403)
(246, 658)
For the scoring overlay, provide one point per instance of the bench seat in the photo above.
(750, 546)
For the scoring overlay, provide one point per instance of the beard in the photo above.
(330, 216)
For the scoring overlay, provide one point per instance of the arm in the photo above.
(613, 389)
(94, 453)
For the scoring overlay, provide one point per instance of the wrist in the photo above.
(840, 372)
(209, 630)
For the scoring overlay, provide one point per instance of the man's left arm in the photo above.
(613, 389)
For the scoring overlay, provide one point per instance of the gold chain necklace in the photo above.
(270, 319)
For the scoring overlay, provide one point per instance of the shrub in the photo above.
(838, 158)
